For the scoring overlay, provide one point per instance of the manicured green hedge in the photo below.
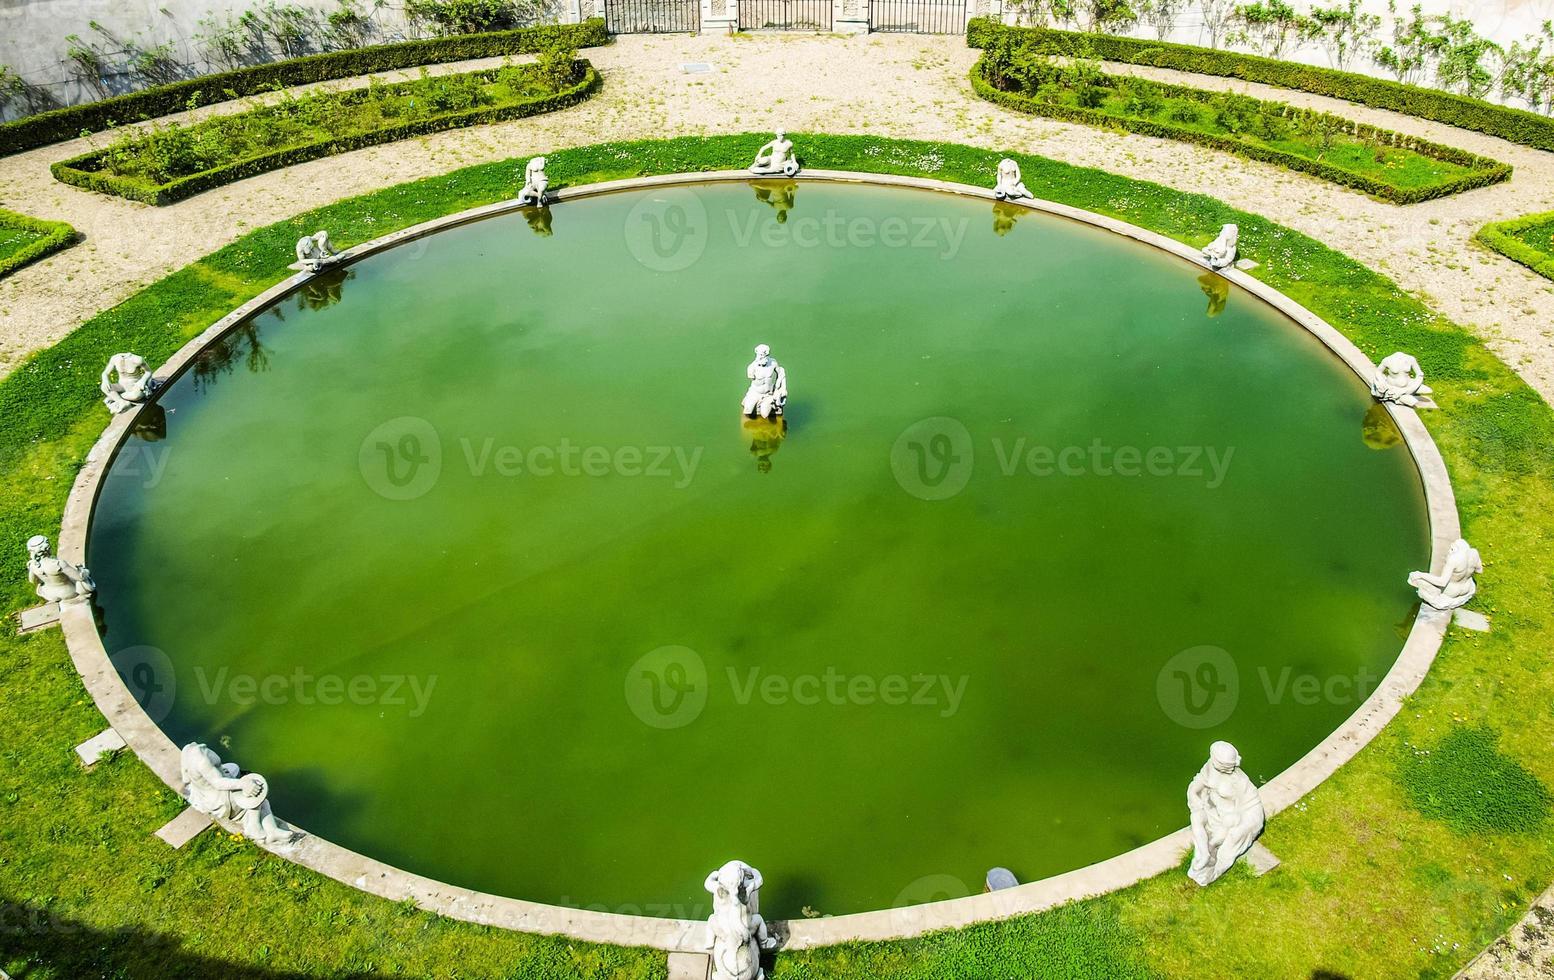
(69, 123)
(1514, 125)
(83, 171)
(55, 236)
(1503, 238)
(1485, 171)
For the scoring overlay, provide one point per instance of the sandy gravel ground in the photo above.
(1524, 953)
(896, 85)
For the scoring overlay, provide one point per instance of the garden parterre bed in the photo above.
(1018, 74)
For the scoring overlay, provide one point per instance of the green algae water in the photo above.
(468, 549)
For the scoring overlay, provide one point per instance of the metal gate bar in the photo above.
(652, 16)
(918, 16)
(785, 15)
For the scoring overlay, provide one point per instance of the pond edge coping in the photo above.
(161, 755)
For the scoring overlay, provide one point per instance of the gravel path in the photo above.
(892, 85)
(1524, 953)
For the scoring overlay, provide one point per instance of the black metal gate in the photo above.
(785, 15)
(652, 16)
(918, 16)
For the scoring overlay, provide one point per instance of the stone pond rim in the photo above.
(159, 753)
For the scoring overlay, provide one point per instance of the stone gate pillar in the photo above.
(850, 16)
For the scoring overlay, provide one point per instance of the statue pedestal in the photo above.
(1260, 860)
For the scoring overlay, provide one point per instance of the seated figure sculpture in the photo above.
(534, 184)
(1454, 586)
(55, 579)
(1010, 186)
(776, 157)
(1221, 252)
(1226, 811)
(126, 382)
(316, 251)
(1399, 379)
(767, 396)
(221, 791)
(736, 933)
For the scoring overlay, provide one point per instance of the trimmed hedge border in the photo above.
(68, 123)
(79, 171)
(1512, 125)
(1500, 237)
(56, 236)
(1488, 172)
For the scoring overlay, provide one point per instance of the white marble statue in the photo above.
(126, 382)
(776, 157)
(1221, 252)
(768, 393)
(1010, 186)
(1455, 585)
(1227, 814)
(736, 933)
(1399, 379)
(55, 579)
(220, 790)
(316, 251)
(534, 183)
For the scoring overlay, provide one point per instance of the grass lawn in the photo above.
(13, 241)
(24, 239)
(1023, 76)
(1395, 867)
(1528, 240)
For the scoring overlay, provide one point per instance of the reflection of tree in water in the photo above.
(1217, 288)
(779, 195)
(539, 221)
(323, 290)
(241, 346)
(1378, 430)
(1004, 217)
(766, 436)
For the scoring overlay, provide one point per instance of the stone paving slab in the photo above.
(1470, 620)
(93, 748)
(184, 828)
(37, 618)
(689, 966)
(1261, 860)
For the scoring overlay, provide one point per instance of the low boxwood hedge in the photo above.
(52, 236)
(71, 122)
(85, 170)
(1513, 125)
(1483, 172)
(1509, 239)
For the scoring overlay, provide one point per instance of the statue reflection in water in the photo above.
(779, 195)
(766, 436)
(323, 290)
(539, 220)
(1378, 430)
(1004, 217)
(1217, 289)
